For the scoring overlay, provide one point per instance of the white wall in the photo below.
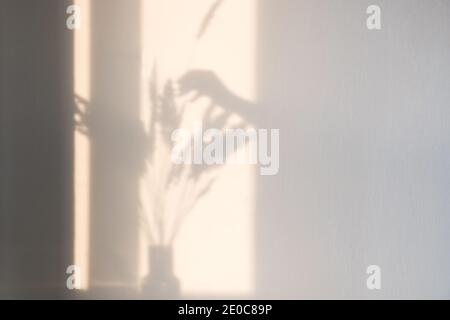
(364, 171)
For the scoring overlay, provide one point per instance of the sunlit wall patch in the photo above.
(206, 217)
(79, 18)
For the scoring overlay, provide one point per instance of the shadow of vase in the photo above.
(161, 282)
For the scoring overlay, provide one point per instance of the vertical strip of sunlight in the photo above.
(81, 143)
(214, 251)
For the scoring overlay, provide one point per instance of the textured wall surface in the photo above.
(365, 149)
(364, 171)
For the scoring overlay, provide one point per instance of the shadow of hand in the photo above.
(202, 83)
